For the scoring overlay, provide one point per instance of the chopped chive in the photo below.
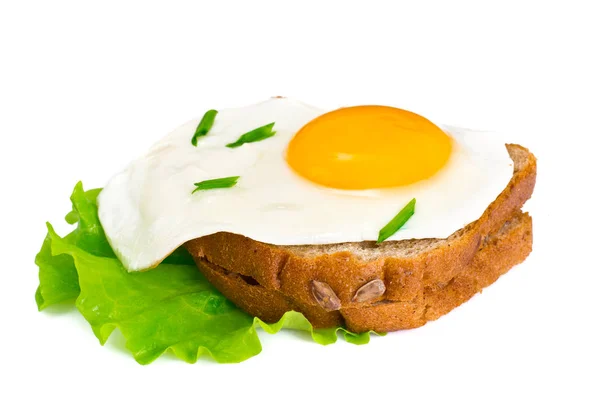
(204, 126)
(219, 183)
(258, 134)
(398, 221)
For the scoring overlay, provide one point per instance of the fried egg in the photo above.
(324, 177)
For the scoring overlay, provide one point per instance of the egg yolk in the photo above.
(368, 147)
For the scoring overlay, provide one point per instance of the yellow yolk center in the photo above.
(367, 147)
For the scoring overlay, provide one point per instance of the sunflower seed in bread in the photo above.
(325, 296)
(369, 291)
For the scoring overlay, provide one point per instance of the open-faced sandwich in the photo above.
(366, 218)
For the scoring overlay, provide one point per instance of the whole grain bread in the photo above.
(502, 250)
(368, 286)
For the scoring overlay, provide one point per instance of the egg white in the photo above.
(148, 210)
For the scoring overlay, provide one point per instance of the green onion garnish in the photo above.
(397, 222)
(255, 135)
(219, 183)
(204, 126)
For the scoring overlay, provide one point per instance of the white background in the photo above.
(86, 86)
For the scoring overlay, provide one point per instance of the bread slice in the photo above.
(502, 250)
(368, 286)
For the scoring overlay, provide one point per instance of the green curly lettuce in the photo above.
(171, 307)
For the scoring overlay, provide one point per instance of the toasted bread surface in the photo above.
(503, 249)
(318, 279)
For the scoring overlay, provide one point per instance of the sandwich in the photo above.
(280, 215)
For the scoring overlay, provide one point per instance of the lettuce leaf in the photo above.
(171, 307)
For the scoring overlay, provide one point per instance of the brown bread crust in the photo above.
(411, 270)
(504, 249)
